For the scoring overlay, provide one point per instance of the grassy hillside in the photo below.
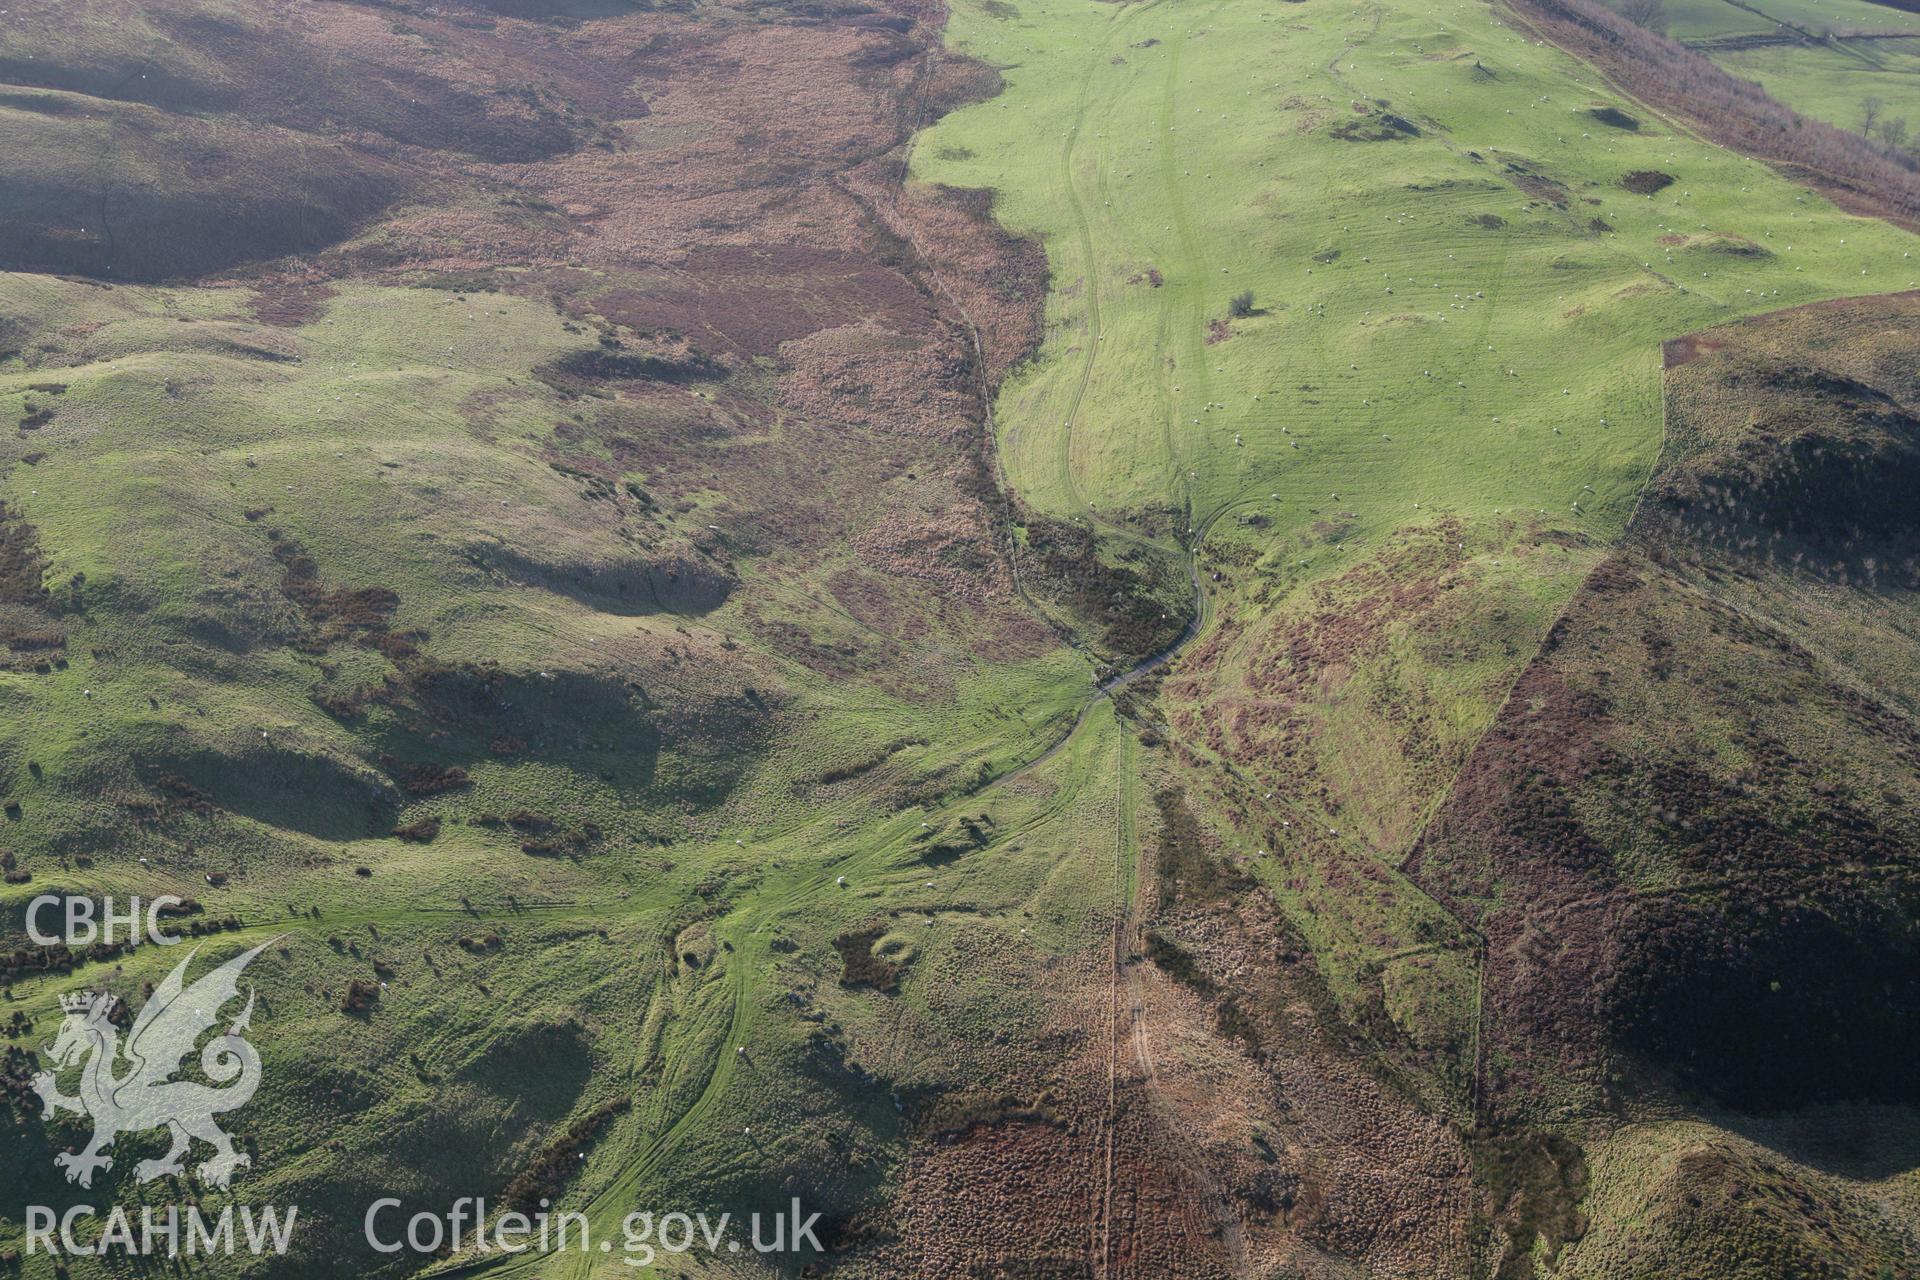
(1699, 801)
(493, 637)
(1405, 462)
(719, 690)
(1450, 390)
(344, 642)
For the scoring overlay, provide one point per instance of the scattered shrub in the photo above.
(362, 996)
(860, 967)
(1614, 117)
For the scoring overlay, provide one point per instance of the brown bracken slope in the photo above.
(1692, 838)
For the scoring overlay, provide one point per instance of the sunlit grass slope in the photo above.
(1401, 351)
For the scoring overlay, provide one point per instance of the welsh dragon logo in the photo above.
(145, 1096)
